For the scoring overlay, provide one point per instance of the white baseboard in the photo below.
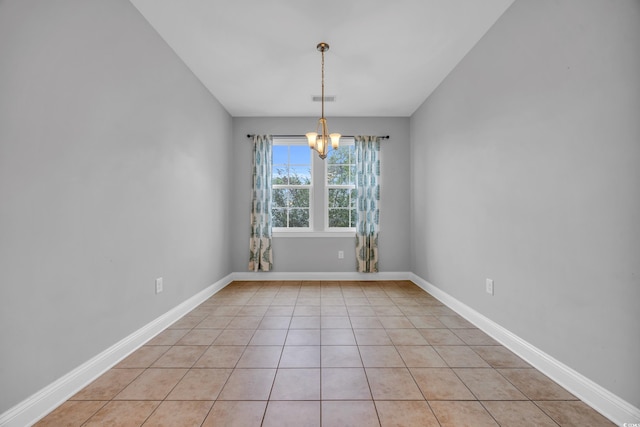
(608, 404)
(330, 275)
(44, 401)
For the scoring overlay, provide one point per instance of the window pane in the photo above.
(280, 154)
(300, 155)
(339, 217)
(299, 218)
(354, 197)
(299, 198)
(279, 217)
(300, 175)
(280, 197)
(342, 155)
(339, 197)
(279, 175)
(338, 175)
(353, 218)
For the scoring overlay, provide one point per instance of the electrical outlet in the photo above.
(489, 286)
(340, 254)
(158, 285)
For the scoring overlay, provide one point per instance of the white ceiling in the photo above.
(259, 57)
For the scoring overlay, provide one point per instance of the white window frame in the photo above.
(327, 186)
(318, 200)
(287, 230)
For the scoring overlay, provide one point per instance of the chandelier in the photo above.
(319, 140)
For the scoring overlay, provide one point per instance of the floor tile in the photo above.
(337, 337)
(499, 357)
(306, 310)
(349, 413)
(381, 301)
(332, 301)
(333, 310)
(420, 356)
(260, 356)
(441, 384)
(362, 310)
(372, 337)
(200, 337)
(397, 413)
(406, 337)
(344, 383)
(180, 356)
(392, 384)
(226, 310)
(269, 337)
(108, 384)
(253, 310)
(152, 384)
(455, 322)
(460, 413)
(234, 337)
(296, 384)
(122, 414)
(236, 414)
(573, 413)
(292, 414)
(71, 413)
(340, 356)
(535, 385)
(144, 357)
(244, 322)
(474, 336)
(248, 384)
(200, 384)
(356, 301)
(186, 322)
(440, 337)
(426, 322)
(303, 337)
(305, 322)
(488, 384)
(380, 356)
(223, 356)
(168, 337)
(335, 322)
(366, 322)
(525, 414)
(275, 322)
(460, 357)
(280, 310)
(215, 322)
(387, 310)
(395, 322)
(179, 414)
(300, 356)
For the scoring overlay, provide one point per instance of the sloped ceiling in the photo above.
(259, 57)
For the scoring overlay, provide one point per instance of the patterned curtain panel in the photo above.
(261, 255)
(368, 193)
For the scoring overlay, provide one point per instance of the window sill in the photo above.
(306, 234)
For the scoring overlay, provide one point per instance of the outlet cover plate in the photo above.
(159, 285)
(489, 286)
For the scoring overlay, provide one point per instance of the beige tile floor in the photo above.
(323, 354)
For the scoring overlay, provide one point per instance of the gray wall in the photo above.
(525, 169)
(113, 171)
(293, 254)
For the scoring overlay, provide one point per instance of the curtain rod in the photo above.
(251, 135)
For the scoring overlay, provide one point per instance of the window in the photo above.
(309, 194)
(341, 186)
(291, 183)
